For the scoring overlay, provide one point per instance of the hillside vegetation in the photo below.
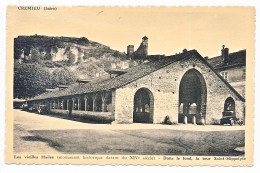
(42, 62)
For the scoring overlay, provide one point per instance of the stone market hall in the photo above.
(184, 88)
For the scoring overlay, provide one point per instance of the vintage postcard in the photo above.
(130, 85)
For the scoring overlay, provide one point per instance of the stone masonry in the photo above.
(164, 85)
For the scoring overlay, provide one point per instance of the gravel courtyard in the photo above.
(34, 133)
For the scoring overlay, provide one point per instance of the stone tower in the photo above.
(130, 50)
(145, 45)
(142, 50)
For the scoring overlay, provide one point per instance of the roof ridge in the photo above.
(132, 75)
(243, 50)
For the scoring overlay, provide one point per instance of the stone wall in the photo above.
(236, 79)
(89, 115)
(164, 85)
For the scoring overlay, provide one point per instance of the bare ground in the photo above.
(35, 133)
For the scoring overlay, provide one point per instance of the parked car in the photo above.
(229, 117)
(43, 109)
(31, 108)
(25, 107)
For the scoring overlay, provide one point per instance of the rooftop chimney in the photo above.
(225, 53)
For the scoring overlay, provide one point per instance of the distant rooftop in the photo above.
(130, 75)
(236, 59)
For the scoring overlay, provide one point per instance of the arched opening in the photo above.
(70, 106)
(108, 102)
(65, 104)
(143, 106)
(90, 103)
(98, 103)
(229, 112)
(229, 104)
(192, 98)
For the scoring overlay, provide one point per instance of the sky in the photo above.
(169, 29)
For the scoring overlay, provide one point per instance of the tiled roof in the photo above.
(131, 75)
(235, 59)
(145, 38)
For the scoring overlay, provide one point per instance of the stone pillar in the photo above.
(58, 106)
(202, 121)
(139, 102)
(62, 104)
(185, 120)
(73, 103)
(68, 103)
(103, 98)
(194, 120)
(113, 103)
(143, 107)
(49, 104)
(86, 101)
(94, 96)
(78, 103)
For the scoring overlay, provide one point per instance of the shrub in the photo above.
(167, 120)
(49, 64)
(71, 58)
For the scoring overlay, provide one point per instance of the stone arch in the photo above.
(143, 106)
(192, 93)
(229, 104)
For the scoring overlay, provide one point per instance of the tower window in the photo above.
(244, 74)
(224, 74)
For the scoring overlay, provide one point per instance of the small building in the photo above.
(183, 87)
(18, 103)
(232, 67)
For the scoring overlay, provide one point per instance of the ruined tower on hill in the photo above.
(141, 52)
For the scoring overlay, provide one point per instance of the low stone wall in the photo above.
(102, 117)
(59, 112)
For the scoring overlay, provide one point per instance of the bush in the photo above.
(116, 54)
(167, 120)
(71, 58)
(49, 64)
(47, 56)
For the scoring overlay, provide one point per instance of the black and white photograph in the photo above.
(130, 84)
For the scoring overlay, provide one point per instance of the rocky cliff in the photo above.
(78, 58)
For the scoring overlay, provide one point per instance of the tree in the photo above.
(30, 80)
(116, 54)
(36, 56)
(47, 56)
(85, 56)
(71, 58)
(62, 76)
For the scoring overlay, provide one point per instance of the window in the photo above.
(244, 74)
(224, 74)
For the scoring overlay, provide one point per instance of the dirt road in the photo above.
(36, 133)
